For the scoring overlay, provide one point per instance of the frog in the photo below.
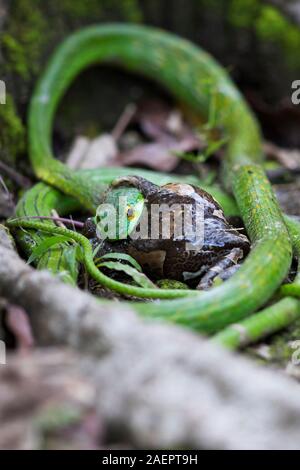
(180, 253)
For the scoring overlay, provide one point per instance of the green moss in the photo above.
(280, 345)
(12, 133)
(56, 418)
(24, 38)
(95, 11)
(31, 30)
(279, 349)
(269, 25)
(132, 11)
(126, 10)
(30, 34)
(211, 4)
(171, 284)
(79, 9)
(242, 14)
(273, 27)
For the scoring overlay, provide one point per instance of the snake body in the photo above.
(194, 78)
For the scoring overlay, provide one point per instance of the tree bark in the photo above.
(290, 8)
(160, 385)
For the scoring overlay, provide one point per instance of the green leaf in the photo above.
(96, 250)
(43, 247)
(79, 252)
(71, 259)
(212, 114)
(214, 146)
(123, 257)
(137, 276)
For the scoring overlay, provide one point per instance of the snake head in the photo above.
(119, 213)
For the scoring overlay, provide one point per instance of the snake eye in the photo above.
(130, 213)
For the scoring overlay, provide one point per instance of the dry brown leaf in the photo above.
(91, 154)
(169, 133)
(102, 151)
(159, 156)
(288, 158)
(18, 323)
(159, 121)
(44, 396)
(77, 152)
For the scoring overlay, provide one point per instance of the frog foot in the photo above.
(228, 264)
(144, 186)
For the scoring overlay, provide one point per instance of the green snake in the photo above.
(195, 79)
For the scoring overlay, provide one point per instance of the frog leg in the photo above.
(226, 263)
(89, 228)
(229, 272)
(147, 188)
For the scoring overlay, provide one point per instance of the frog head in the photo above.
(119, 213)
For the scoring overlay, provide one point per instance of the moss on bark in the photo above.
(30, 32)
(254, 40)
(12, 132)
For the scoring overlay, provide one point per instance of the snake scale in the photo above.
(193, 78)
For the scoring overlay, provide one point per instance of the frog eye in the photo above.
(130, 213)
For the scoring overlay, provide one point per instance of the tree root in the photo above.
(161, 386)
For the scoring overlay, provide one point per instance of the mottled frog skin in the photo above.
(179, 258)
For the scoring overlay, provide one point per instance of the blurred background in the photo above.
(257, 41)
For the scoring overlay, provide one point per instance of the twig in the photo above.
(2, 182)
(21, 180)
(17, 321)
(9, 196)
(56, 218)
(74, 223)
(123, 121)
